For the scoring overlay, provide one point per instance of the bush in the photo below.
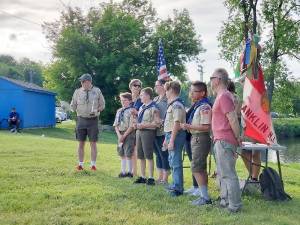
(287, 127)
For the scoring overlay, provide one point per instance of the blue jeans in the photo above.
(161, 156)
(175, 159)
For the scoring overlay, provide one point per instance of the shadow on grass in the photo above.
(66, 131)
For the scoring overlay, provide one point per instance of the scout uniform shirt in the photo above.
(175, 113)
(124, 119)
(148, 115)
(202, 116)
(88, 103)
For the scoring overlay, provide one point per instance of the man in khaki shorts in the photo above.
(88, 102)
(198, 125)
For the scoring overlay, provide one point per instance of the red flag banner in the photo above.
(256, 110)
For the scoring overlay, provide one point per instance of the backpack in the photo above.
(272, 186)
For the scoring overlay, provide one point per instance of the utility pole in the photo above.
(30, 76)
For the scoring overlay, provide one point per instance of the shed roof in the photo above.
(28, 86)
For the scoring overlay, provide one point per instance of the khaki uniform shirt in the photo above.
(88, 103)
(175, 113)
(126, 121)
(149, 116)
(162, 105)
(202, 116)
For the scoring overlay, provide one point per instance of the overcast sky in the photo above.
(21, 33)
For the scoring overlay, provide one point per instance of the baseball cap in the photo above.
(85, 77)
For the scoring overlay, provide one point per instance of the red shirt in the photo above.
(221, 128)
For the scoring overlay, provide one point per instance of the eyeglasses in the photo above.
(211, 78)
(136, 85)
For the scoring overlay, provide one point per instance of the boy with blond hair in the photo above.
(124, 127)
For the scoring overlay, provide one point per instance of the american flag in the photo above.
(161, 63)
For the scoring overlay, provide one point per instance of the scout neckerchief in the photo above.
(171, 103)
(195, 107)
(143, 108)
(121, 115)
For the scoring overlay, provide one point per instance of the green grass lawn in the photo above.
(39, 185)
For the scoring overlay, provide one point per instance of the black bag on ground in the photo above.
(271, 185)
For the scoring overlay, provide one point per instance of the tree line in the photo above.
(117, 42)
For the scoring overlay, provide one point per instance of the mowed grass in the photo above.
(39, 185)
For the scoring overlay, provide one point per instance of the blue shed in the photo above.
(35, 105)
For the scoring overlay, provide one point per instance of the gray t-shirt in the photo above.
(162, 104)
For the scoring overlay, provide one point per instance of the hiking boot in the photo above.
(93, 168)
(150, 181)
(79, 167)
(130, 175)
(140, 180)
(122, 175)
(201, 201)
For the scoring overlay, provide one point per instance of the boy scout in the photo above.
(88, 102)
(174, 135)
(148, 122)
(123, 124)
(198, 125)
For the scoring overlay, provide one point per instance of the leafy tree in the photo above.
(280, 24)
(24, 70)
(116, 43)
(283, 96)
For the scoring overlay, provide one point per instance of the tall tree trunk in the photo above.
(272, 76)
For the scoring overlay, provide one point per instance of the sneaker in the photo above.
(175, 193)
(170, 187)
(130, 175)
(150, 181)
(122, 175)
(163, 182)
(140, 180)
(191, 191)
(93, 168)
(201, 201)
(197, 192)
(79, 167)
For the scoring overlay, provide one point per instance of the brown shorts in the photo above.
(200, 144)
(128, 146)
(144, 142)
(87, 127)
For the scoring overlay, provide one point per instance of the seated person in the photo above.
(14, 120)
(256, 161)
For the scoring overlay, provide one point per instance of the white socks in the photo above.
(129, 165)
(123, 166)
